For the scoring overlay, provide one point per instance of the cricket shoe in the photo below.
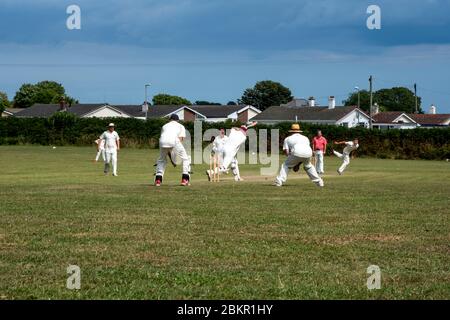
(238, 178)
(339, 173)
(185, 183)
(276, 184)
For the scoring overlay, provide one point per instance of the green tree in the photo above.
(4, 102)
(41, 92)
(25, 97)
(352, 99)
(393, 99)
(206, 103)
(397, 99)
(68, 100)
(166, 99)
(231, 103)
(265, 94)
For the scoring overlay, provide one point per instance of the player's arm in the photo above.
(286, 147)
(252, 124)
(118, 144)
(182, 134)
(340, 142)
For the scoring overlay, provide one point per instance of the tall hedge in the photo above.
(66, 129)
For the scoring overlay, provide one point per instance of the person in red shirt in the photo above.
(320, 149)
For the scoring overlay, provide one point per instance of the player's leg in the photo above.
(186, 164)
(290, 163)
(114, 163)
(235, 169)
(337, 154)
(345, 163)
(321, 159)
(312, 172)
(161, 165)
(99, 152)
(107, 161)
(228, 157)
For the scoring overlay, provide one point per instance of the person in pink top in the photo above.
(320, 149)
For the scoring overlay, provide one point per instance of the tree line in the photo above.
(67, 129)
(263, 95)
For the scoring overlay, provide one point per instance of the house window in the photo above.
(345, 124)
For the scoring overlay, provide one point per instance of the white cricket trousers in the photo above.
(319, 161)
(230, 160)
(179, 150)
(100, 152)
(111, 158)
(291, 162)
(345, 160)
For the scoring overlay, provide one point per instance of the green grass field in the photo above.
(230, 240)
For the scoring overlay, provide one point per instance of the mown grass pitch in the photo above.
(246, 240)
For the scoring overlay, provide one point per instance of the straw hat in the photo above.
(295, 128)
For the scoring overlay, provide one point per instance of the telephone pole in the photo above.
(371, 101)
(415, 97)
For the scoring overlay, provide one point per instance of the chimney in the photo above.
(375, 109)
(331, 102)
(432, 109)
(311, 102)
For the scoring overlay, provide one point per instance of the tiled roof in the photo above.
(217, 111)
(38, 110)
(386, 117)
(431, 119)
(304, 114)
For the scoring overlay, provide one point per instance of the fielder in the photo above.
(100, 149)
(298, 150)
(237, 137)
(345, 156)
(320, 149)
(171, 144)
(218, 146)
(112, 145)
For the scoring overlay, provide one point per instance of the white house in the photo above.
(347, 116)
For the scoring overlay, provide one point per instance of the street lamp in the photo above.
(359, 97)
(146, 102)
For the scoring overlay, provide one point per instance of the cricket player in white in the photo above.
(218, 146)
(100, 149)
(298, 150)
(171, 143)
(112, 145)
(345, 156)
(236, 138)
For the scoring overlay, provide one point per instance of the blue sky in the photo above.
(214, 49)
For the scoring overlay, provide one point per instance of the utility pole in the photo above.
(146, 102)
(415, 97)
(371, 101)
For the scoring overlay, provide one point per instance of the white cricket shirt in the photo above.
(298, 145)
(110, 139)
(219, 143)
(350, 146)
(171, 134)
